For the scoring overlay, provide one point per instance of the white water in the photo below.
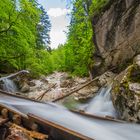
(9, 85)
(101, 104)
(93, 128)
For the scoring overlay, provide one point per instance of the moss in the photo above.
(135, 74)
(116, 89)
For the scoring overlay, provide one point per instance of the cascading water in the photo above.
(92, 128)
(9, 85)
(101, 104)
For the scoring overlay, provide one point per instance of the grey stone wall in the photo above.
(116, 34)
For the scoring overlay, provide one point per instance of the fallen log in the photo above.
(43, 94)
(56, 126)
(75, 90)
(15, 74)
(107, 118)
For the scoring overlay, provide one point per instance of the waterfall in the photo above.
(9, 85)
(101, 104)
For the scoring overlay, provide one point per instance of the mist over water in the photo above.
(102, 104)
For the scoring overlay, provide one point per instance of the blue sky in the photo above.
(57, 12)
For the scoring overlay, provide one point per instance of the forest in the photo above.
(25, 38)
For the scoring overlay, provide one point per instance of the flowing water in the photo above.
(101, 104)
(92, 128)
(9, 85)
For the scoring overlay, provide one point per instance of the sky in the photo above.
(57, 12)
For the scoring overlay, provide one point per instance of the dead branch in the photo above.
(15, 74)
(43, 94)
(75, 90)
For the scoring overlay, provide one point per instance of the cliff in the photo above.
(116, 35)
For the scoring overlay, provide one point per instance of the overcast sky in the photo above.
(57, 11)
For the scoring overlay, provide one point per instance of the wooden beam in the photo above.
(56, 126)
(106, 118)
(15, 74)
(43, 94)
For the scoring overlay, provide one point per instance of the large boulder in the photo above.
(25, 88)
(116, 35)
(86, 92)
(66, 81)
(106, 78)
(126, 92)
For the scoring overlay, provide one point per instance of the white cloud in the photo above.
(57, 37)
(57, 12)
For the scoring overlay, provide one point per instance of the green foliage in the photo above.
(43, 28)
(24, 38)
(76, 55)
(19, 35)
(97, 6)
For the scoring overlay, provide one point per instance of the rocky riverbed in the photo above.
(125, 89)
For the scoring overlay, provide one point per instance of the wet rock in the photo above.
(66, 81)
(106, 78)
(137, 60)
(16, 134)
(134, 87)
(44, 79)
(31, 83)
(86, 93)
(117, 38)
(25, 88)
(79, 80)
(126, 92)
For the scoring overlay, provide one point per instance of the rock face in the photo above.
(66, 81)
(126, 92)
(86, 93)
(116, 34)
(106, 78)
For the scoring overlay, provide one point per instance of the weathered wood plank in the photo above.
(56, 126)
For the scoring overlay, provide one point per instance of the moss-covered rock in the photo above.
(126, 92)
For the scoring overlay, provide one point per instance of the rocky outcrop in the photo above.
(66, 81)
(126, 92)
(106, 79)
(86, 92)
(116, 35)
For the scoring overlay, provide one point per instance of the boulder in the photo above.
(126, 92)
(106, 78)
(116, 35)
(66, 81)
(25, 88)
(86, 93)
(44, 79)
(31, 83)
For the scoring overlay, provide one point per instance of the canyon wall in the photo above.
(116, 35)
